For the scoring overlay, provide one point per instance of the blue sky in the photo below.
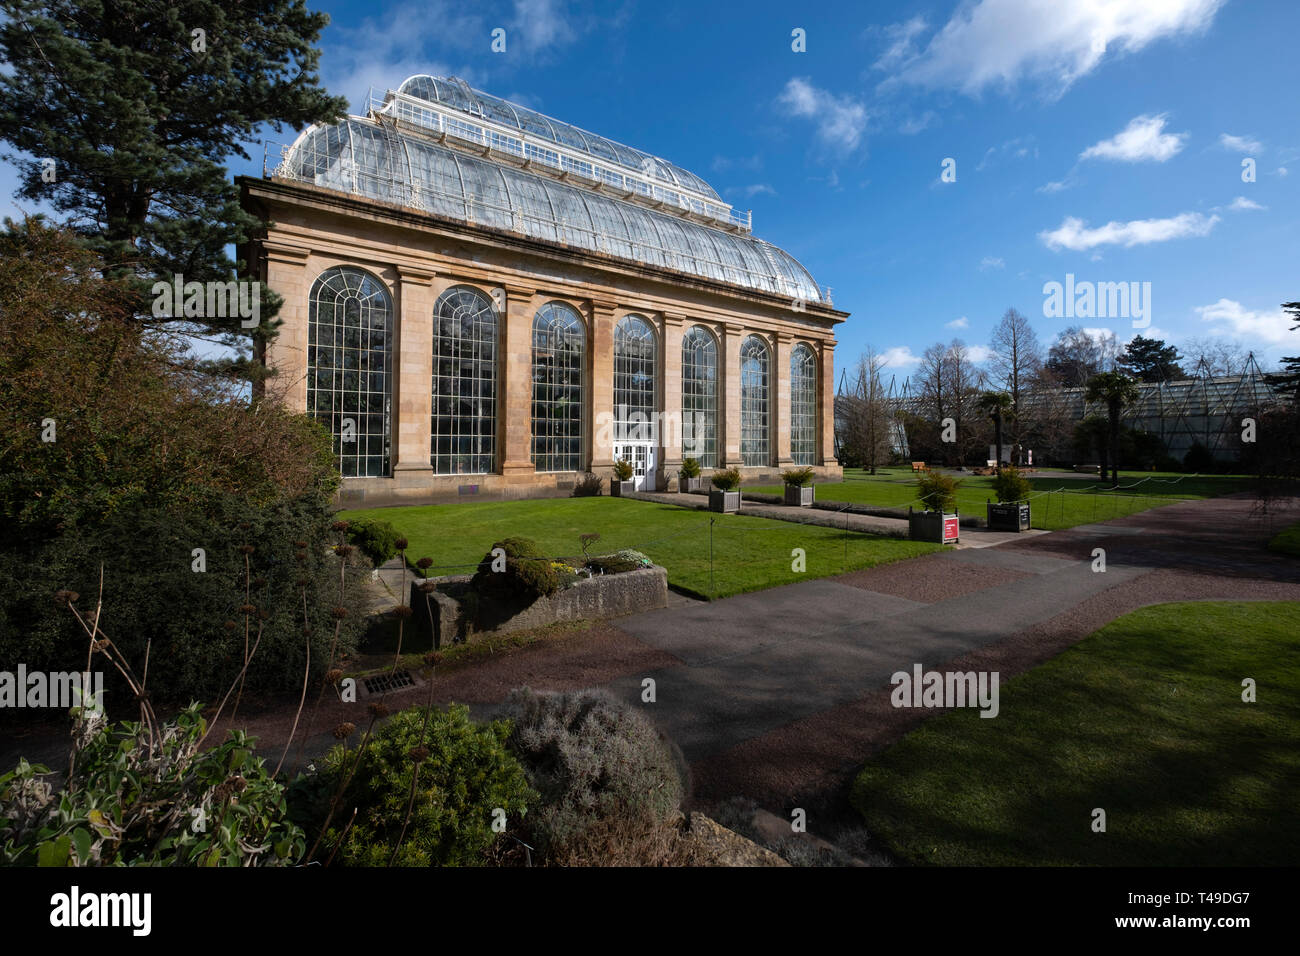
(1101, 138)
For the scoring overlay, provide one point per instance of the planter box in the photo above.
(690, 485)
(724, 502)
(622, 489)
(799, 497)
(456, 614)
(940, 528)
(1008, 517)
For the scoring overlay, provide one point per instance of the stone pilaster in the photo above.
(826, 379)
(670, 375)
(600, 375)
(729, 396)
(515, 388)
(781, 396)
(413, 368)
(286, 354)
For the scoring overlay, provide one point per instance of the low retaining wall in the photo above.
(456, 616)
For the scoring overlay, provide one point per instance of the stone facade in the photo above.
(417, 255)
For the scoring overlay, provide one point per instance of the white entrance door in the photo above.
(643, 457)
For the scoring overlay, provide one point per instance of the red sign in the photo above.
(950, 529)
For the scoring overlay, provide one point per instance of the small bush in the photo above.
(376, 539)
(528, 573)
(728, 480)
(589, 487)
(599, 767)
(466, 775)
(623, 470)
(135, 801)
(620, 561)
(1199, 459)
(798, 477)
(690, 468)
(1010, 485)
(937, 490)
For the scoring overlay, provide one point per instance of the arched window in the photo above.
(634, 380)
(754, 414)
(700, 396)
(464, 426)
(559, 346)
(349, 346)
(803, 405)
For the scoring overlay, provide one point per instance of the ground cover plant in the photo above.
(1144, 719)
(748, 553)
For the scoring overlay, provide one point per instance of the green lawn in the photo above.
(1143, 719)
(749, 553)
(1057, 503)
(1287, 541)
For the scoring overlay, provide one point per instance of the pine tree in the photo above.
(124, 112)
(1287, 382)
(1151, 360)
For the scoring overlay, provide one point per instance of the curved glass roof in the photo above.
(456, 93)
(362, 157)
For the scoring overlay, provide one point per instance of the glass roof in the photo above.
(456, 93)
(362, 157)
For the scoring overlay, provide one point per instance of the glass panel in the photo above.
(559, 347)
(803, 405)
(634, 380)
(463, 431)
(700, 397)
(754, 417)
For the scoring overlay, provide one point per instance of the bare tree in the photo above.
(1078, 354)
(1220, 356)
(868, 418)
(965, 383)
(1015, 363)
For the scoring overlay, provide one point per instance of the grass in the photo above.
(1058, 503)
(749, 553)
(1143, 719)
(1287, 541)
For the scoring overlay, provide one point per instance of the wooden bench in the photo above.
(919, 466)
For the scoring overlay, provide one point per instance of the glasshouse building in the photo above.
(479, 299)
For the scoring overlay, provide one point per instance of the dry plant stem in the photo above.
(338, 796)
(401, 620)
(338, 624)
(306, 674)
(234, 710)
(344, 837)
(415, 777)
(240, 677)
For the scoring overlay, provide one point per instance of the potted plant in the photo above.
(1011, 513)
(799, 489)
(688, 478)
(939, 521)
(725, 496)
(622, 485)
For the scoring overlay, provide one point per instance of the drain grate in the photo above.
(383, 683)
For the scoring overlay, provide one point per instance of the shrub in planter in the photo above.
(798, 486)
(601, 770)
(690, 468)
(689, 475)
(618, 562)
(622, 483)
(725, 496)
(132, 800)
(728, 480)
(1011, 513)
(528, 573)
(376, 539)
(465, 775)
(937, 491)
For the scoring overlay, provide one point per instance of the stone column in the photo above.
(670, 397)
(600, 378)
(413, 368)
(286, 354)
(729, 398)
(781, 395)
(826, 378)
(515, 387)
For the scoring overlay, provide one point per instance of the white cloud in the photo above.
(961, 323)
(841, 120)
(1273, 328)
(915, 124)
(723, 164)
(755, 190)
(1073, 233)
(902, 42)
(1055, 187)
(1142, 140)
(992, 262)
(900, 356)
(1281, 170)
(979, 353)
(1018, 148)
(1003, 42)
(1240, 144)
(1242, 204)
